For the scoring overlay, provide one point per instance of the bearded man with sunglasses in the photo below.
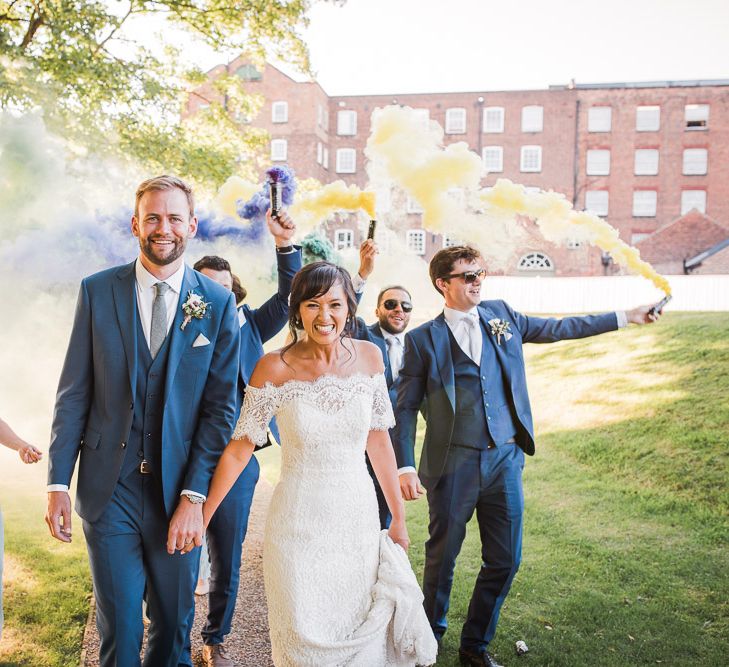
(394, 306)
(467, 365)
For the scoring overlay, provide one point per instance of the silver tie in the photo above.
(158, 331)
(395, 353)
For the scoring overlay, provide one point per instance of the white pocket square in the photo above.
(200, 341)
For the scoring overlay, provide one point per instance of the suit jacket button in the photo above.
(131, 406)
(124, 444)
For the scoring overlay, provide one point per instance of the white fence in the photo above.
(582, 295)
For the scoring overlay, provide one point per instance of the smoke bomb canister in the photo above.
(275, 197)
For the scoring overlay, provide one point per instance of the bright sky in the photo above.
(403, 46)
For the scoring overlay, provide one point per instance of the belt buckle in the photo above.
(145, 468)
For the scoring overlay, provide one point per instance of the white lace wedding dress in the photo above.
(339, 591)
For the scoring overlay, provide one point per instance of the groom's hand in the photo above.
(410, 486)
(58, 515)
(186, 527)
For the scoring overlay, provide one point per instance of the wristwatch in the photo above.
(193, 498)
(284, 249)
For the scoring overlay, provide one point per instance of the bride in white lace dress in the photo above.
(339, 590)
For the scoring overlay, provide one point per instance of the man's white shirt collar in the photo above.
(453, 317)
(147, 281)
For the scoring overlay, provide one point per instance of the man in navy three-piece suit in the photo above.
(468, 366)
(227, 530)
(146, 402)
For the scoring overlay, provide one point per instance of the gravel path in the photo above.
(248, 642)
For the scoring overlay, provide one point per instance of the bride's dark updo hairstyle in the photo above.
(313, 281)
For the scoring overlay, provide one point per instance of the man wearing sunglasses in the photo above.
(394, 307)
(467, 365)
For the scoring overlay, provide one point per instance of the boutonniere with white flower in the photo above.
(500, 328)
(195, 307)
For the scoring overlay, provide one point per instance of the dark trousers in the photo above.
(226, 534)
(127, 548)
(489, 482)
(383, 509)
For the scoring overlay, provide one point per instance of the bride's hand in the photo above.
(398, 533)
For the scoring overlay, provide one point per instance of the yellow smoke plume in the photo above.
(315, 204)
(231, 191)
(557, 220)
(412, 154)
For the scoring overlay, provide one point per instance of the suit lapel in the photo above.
(442, 345)
(125, 304)
(379, 340)
(502, 350)
(181, 340)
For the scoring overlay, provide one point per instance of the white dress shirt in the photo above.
(146, 293)
(395, 348)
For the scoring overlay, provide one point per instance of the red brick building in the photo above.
(639, 154)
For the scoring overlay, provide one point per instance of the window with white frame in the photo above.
(597, 201)
(696, 116)
(346, 123)
(535, 261)
(493, 159)
(598, 162)
(645, 162)
(648, 119)
(455, 121)
(413, 206)
(531, 159)
(599, 119)
(279, 149)
(280, 112)
(319, 152)
(320, 115)
(691, 199)
(422, 116)
(637, 237)
(346, 161)
(449, 241)
(695, 161)
(532, 119)
(325, 158)
(493, 119)
(532, 189)
(415, 241)
(645, 203)
(343, 238)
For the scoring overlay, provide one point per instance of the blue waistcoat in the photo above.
(484, 413)
(145, 439)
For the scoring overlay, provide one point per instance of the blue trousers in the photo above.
(488, 482)
(127, 548)
(226, 534)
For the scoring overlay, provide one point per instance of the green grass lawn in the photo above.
(625, 559)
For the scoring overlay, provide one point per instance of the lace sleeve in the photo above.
(382, 417)
(259, 405)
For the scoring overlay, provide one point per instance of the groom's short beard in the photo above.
(177, 251)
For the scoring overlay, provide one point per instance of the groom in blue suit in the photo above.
(146, 403)
(227, 529)
(467, 365)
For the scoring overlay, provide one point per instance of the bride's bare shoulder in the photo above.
(369, 357)
(271, 368)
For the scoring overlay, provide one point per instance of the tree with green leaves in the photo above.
(105, 81)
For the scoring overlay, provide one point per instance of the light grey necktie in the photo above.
(158, 331)
(395, 353)
(469, 336)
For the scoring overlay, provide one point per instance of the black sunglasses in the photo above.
(391, 304)
(468, 276)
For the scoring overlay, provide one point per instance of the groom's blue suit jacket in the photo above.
(427, 375)
(95, 400)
